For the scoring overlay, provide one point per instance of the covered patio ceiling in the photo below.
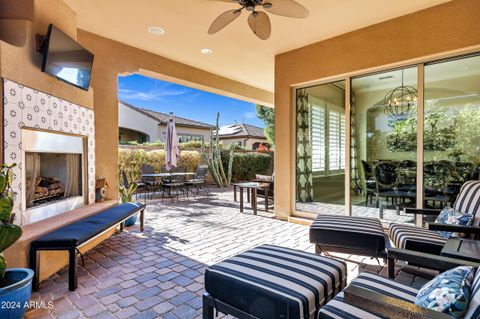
(237, 53)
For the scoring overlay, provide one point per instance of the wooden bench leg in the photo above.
(35, 266)
(207, 307)
(72, 269)
(142, 219)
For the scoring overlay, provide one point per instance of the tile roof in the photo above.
(163, 118)
(241, 130)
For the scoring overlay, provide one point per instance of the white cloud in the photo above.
(152, 95)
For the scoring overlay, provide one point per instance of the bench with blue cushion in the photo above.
(72, 236)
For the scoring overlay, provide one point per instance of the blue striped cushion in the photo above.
(473, 310)
(337, 308)
(468, 200)
(349, 232)
(416, 238)
(274, 282)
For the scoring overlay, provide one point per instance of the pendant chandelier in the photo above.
(400, 102)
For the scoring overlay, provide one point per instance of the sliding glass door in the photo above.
(451, 129)
(388, 115)
(321, 140)
(384, 144)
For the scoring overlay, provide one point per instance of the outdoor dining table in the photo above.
(167, 175)
(164, 175)
(251, 188)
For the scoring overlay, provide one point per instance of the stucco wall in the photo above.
(425, 34)
(131, 119)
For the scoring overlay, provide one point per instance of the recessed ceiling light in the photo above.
(156, 30)
(206, 51)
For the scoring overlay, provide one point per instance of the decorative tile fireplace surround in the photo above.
(28, 112)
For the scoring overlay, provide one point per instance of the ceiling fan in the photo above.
(259, 21)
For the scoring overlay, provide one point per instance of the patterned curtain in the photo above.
(304, 149)
(355, 184)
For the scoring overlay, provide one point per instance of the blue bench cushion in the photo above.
(78, 232)
(349, 232)
(275, 282)
(338, 309)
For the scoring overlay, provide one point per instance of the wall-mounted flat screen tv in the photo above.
(65, 59)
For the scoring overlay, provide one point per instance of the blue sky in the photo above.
(184, 101)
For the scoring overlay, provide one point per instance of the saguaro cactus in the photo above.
(9, 233)
(214, 159)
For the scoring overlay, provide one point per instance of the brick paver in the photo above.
(159, 273)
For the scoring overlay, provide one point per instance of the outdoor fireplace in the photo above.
(52, 143)
(52, 177)
(54, 169)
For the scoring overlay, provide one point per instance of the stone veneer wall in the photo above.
(25, 107)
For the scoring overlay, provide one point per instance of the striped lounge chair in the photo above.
(411, 237)
(349, 234)
(272, 282)
(341, 308)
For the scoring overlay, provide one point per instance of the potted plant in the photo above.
(15, 283)
(126, 195)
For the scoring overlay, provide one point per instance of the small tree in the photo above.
(267, 114)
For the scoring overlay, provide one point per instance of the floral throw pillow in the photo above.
(453, 217)
(448, 292)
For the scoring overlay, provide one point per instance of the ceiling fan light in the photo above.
(250, 7)
(267, 5)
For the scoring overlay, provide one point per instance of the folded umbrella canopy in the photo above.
(172, 151)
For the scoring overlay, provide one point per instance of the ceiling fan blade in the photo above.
(259, 22)
(223, 20)
(286, 8)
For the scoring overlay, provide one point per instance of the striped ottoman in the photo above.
(272, 282)
(349, 234)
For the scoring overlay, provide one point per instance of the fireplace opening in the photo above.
(52, 177)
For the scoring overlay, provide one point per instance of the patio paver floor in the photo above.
(159, 273)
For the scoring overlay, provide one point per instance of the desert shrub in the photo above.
(247, 164)
(156, 143)
(131, 160)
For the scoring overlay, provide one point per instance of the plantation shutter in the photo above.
(318, 138)
(336, 141)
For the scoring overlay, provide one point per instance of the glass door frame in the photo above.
(420, 126)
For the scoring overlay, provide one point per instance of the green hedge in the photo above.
(132, 160)
(247, 164)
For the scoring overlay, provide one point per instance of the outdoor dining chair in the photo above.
(176, 185)
(152, 184)
(199, 181)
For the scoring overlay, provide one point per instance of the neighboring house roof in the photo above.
(163, 118)
(241, 131)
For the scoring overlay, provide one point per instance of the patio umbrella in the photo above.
(172, 151)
